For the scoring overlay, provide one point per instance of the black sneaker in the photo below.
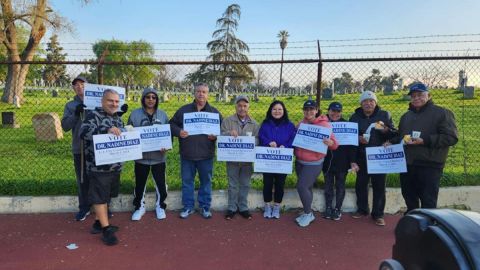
(97, 228)
(246, 214)
(229, 215)
(108, 236)
(336, 214)
(328, 213)
(82, 215)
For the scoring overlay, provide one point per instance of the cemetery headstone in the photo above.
(327, 93)
(469, 92)
(9, 120)
(47, 127)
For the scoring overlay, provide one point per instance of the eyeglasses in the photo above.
(150, 97)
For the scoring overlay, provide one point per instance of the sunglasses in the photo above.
(151, 97)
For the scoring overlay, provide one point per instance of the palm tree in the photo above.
(283, 35)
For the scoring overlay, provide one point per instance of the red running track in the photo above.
(38, 241)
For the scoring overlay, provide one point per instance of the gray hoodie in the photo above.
(70, 121)
(140, 118)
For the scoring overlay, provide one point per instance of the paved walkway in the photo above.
(38, 241)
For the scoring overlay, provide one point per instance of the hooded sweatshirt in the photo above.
(140, 118)
(307, 155)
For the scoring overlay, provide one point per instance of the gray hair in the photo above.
(200, 84)
(110, 91)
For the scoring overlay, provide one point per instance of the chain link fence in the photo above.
(29, 166)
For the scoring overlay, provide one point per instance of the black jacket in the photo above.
(338, 160)
(377, 138)
(195, 147)
(438, 131)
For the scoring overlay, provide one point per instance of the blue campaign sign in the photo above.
(346, 133)
(111, 149)
(311, 137)
(201, 123)
(155, 137)
(93, 94)
(389, 159)
(273, 160)
(238, 149)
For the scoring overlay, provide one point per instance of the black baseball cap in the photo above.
(335, 106)
(79, 78)
(310, 104)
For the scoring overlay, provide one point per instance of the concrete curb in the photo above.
(463, 197)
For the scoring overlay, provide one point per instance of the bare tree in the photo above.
(36, 16)
(432, 76)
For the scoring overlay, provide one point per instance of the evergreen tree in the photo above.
(225, 47)
(55, 74)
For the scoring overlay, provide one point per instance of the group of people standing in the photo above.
(425, 154)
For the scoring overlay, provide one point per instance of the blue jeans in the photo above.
(189, 169)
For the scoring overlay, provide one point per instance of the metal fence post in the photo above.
(319, 76)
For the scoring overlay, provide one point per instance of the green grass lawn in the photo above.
(28, 167)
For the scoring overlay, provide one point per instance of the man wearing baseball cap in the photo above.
(239, 173)
(429, 130)
(367, 115)
(73, 115)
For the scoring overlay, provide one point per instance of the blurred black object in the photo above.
(436, 239)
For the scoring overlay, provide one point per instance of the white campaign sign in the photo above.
(112, 149)
(93, 93)
(311, 137)
(346, 133)
(238, 149)
(201, 123)
(155, 138)
(273, 160)
(390, 159)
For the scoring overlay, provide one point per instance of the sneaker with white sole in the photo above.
(276, 211)
(186, 212)
(82, 215)
(206, 213)
(306, 219)
(267, 212)
(138, 214)
(160, 213)
(299, 217)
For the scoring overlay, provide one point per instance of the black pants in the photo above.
(420, 185)
(378, 187)
(82, 184)
(141, 176)
(336, 179)
(269, 181)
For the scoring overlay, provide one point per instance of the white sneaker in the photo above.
(306, 219)
(160, 213)
(186, 212)
(138, 214)
(267, 213)
(299, 217)
(276, 211)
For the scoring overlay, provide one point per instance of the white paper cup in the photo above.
(416, 134)
(366, 137)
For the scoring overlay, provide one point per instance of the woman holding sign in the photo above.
(276, 131)
(308, 164)
(153, 161)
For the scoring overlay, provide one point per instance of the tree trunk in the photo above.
(17, 73)
(16, 77)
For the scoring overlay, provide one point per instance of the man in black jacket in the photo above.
(428, 131)
(375, 127)
(196, 154)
